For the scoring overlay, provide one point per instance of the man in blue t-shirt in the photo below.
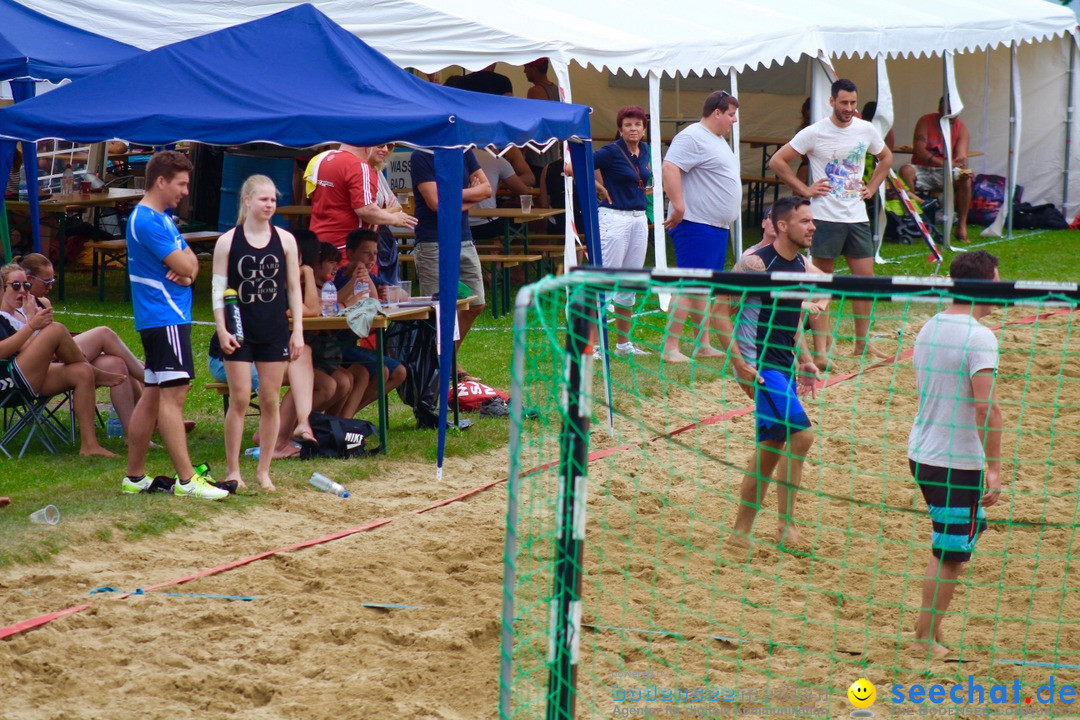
(475, 188)
(162, 269)
(773, 366)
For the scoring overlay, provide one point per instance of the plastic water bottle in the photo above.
(252, 452)
(329, 299)
(232, 315)
(327, 485)
(114, 428)
(67, 182)
(24, 194)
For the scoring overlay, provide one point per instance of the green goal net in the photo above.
(626, 592)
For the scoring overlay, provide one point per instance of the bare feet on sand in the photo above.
(107, 379)
(674, 356)
(871, 351)
(96, 451)
(935, 650)
(788, 537)
(240, 484)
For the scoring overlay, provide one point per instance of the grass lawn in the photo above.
(87, 490)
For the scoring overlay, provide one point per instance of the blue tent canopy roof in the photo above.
(295, 78)
(37, 47)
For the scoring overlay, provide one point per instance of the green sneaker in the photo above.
(127, 485)
(199, 487)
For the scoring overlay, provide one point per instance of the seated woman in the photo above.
(34, 346)
(101, 346)
(315, 377)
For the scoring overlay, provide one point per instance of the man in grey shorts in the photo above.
(476, 188)
(836, 147)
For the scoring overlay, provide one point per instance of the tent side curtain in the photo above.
(449, 169)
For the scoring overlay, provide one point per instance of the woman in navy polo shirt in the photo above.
(622, 174)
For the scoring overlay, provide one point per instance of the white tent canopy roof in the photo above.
(630, 35)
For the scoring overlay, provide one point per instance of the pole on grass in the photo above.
(565, 631)
(1071, 40)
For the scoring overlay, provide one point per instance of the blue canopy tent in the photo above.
(35, 47)
(298, 79)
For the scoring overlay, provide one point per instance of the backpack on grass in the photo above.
(337, 437)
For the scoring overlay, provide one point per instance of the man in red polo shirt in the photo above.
(344, 197)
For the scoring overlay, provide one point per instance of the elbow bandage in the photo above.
(217, 291)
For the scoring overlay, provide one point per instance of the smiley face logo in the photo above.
(862, 693)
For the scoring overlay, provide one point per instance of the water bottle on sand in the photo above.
(327, 485)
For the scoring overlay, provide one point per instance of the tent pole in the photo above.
(1071, 39)
(736, 237)
(656, 140)
(1010, 186)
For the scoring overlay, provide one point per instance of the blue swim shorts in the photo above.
(779, 412)
(698, 245)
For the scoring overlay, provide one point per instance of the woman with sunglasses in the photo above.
(622, 174)
(101, 346)
(35, 344)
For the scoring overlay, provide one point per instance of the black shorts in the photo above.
(259, 352)
(325, 351)
(953, 498)
(169, 362)
(11, 376)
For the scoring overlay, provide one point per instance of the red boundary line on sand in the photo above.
(37, 622)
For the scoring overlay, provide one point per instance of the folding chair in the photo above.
(39, 416)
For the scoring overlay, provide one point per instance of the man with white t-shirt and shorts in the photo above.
(836, 147)
(702, 181)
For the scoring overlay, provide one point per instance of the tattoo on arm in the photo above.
(752, 263)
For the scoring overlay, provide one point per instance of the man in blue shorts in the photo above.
(162, 269)
(362, 251)
(956, 433)
(773, 365)
(704, 189)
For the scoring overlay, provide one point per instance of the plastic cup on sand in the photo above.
(48, 515)
(526, 203)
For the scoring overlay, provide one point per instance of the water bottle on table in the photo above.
(329, 299)
(327, 485)
(67, 182)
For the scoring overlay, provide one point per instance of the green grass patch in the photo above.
(87, 491)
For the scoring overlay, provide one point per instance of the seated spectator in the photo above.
(362, 249)
(33, 347)
(101, 346)
(927, 173)
(329, 380)
(497, 170)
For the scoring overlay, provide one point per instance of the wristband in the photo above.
(217, 291)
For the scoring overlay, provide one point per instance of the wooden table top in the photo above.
(908, 149)
(294, 210)
(57, 202)
(389, 314)
(515, 214)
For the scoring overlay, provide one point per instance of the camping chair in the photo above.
(20, 410)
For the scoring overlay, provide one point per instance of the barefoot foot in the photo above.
(266, 483)
(788, 536)
(935, 650)
(674, 356)
(708, 351)
(96, 450)
(108, 379)
(286, 451)
(235, 477)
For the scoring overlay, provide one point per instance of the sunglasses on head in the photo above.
(17, 286)
(46, 283)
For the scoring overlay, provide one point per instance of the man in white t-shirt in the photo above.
(704, 189)
(957, 431)
(497, 169)
(836, 147)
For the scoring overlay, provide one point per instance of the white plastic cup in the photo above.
(404, 290)
(48, 515)
(526, 203)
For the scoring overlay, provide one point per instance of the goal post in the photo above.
(623, 593)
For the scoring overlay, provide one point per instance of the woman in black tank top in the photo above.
(259, 262)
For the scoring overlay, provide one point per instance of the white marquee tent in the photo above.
(978, 39)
